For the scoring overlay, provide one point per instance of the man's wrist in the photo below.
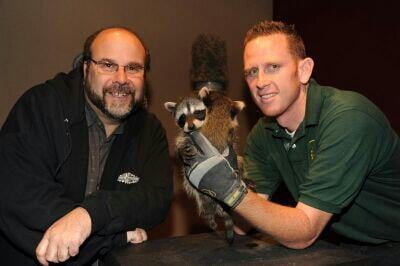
(239, 192)
(85, 218)
(98, 212)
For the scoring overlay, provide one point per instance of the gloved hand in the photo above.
(231, 156)
(212, 174)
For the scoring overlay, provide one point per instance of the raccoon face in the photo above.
(190, 114)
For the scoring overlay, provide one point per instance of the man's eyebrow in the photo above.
(107, 60)
(111, 61)
(135, 63)
(248, 68)
(128, 64)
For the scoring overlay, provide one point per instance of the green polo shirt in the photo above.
(343, 159)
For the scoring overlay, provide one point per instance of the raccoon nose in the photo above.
(191, 126)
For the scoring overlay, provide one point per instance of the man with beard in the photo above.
(77, 174)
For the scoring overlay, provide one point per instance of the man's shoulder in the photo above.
(350, 110)
(144, 115)
(147, 121)
(55, 100)
(262, 130)
(346, 99)
(59, 86)
(261, 124)
(336, 101)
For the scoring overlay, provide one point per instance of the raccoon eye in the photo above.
(200, 114)
(182, 121)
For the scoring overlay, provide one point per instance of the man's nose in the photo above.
(263, 80)
(120, 75)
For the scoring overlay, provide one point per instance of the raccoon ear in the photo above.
(237, 106)
(204, 92)
(170, 106)
(204, 95)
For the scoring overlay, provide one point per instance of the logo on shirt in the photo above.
(128, 178)
(312, 149)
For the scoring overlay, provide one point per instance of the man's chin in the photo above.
(119, 115)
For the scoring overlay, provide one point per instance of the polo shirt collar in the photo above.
(276, 129)
(313, 105)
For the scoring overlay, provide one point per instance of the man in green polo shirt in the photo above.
(335, 151)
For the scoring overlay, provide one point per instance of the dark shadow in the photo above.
(251, 112)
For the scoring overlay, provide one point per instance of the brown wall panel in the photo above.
(40, 38)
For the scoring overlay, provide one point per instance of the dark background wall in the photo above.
(355, 45)
(40, 38)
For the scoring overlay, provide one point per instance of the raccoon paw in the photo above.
(188, 151)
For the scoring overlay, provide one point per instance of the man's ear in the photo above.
(305, 68)
(84, 69)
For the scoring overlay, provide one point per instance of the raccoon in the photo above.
(214, 115)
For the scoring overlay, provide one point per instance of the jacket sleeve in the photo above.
(139, 205)
(31, 198)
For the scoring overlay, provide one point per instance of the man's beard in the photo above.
(113, 111)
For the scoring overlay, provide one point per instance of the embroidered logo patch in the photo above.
(128, 178)
(312, 149)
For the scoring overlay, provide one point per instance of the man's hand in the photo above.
(137, 236)
(64, 237)
(212, 174)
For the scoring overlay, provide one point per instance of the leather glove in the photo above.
(212, 174)
(230, 155)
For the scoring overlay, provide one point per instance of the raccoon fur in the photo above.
(215, 116)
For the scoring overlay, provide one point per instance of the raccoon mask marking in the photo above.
(190, 113)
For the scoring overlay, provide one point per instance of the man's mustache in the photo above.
(120, 88)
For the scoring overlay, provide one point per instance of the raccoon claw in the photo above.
(189, 151)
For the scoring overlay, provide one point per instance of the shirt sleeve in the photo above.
(258, 163)
(347, 148)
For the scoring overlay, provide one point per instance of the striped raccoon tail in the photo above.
(228, 222)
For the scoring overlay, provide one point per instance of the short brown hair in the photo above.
(265, 28)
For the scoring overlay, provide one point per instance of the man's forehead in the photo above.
(271, 46)
(271, 42)
(117, 42)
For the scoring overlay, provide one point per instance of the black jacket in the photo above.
(43, 171)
